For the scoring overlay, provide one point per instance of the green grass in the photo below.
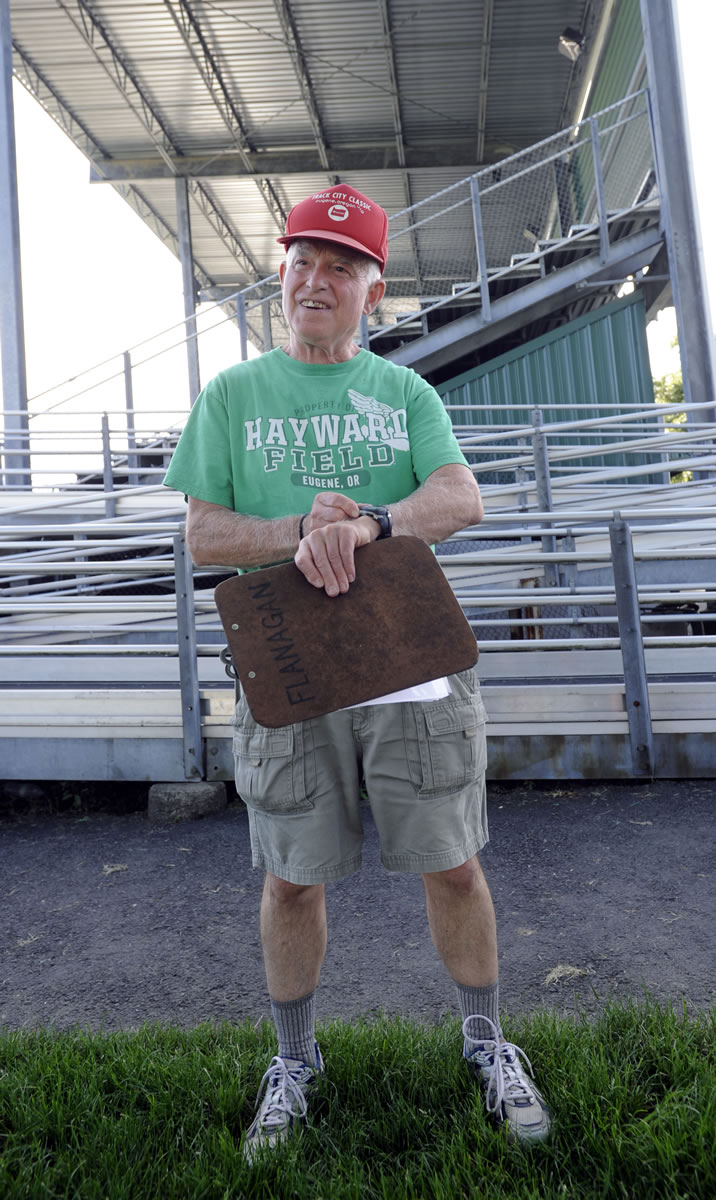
(158, 1113)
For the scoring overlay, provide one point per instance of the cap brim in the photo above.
(320, 235)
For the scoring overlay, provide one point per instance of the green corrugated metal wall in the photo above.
(599, 359)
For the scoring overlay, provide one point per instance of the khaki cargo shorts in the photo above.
(422, 766)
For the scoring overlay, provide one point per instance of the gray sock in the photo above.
(484, 1002)
(295, 1025)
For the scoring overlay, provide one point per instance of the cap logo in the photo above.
(338, 212)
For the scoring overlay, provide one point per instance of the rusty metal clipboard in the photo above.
(299, 653)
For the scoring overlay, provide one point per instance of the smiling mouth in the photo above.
(313, 304)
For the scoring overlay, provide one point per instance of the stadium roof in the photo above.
(260, 102)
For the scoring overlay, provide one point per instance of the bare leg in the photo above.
(462, 923)
(293, 936)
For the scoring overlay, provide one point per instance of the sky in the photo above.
(96, 281)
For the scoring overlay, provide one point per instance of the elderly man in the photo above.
(309, 452)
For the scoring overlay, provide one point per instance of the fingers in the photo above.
(326, 556)
(329, 507)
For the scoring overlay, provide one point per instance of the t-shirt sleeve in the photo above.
(432, 440)
(201, 464)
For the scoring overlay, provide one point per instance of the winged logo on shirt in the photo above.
(368, 405)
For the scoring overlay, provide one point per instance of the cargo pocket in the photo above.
(453, 751)
(270, 769)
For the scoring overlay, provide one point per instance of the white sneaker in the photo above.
(285, 1087)
(510, 1094)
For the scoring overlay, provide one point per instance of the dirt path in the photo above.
(107, 920)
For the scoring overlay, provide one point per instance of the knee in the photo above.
(282, 893)
(463, 881)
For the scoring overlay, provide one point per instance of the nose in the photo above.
(315, 277)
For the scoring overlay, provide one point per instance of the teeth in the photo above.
(312, 304)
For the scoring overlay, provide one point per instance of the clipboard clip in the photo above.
(228, 660)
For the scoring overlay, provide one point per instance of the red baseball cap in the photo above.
(344, 215)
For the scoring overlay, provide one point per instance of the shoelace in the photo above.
(505, 1079)
(285, 1097)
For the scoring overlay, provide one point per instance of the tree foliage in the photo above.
(670, 390)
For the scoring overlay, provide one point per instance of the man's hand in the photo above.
(326, 554)
(327, 508)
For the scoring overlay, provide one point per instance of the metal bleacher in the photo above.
(591, 589)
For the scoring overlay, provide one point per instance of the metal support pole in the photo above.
(632, 648)
(364, 336)
(266, 317)
(82, 581)
(522, 483)
(194, 767)
(571, 580)
(110, 506)
(677, 199)
(12, 334)
(480, 248)
(132, 460)
(564, 196)
(599, 185)
(543, 487)
(243, 328)
(188, 284)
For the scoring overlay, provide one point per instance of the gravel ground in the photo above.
(110, 921)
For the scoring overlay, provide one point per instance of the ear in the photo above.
(376, 291)
(282, 270)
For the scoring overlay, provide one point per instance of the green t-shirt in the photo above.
(266, 435)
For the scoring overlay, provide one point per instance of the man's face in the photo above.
(326, 289)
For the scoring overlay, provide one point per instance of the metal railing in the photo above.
(563, 560)
(619, 614)
(569, 194)
(643, 443)
(568, 191)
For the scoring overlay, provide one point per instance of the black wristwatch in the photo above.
(379, 514)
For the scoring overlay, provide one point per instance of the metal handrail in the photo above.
(512, 170)
(632, 637)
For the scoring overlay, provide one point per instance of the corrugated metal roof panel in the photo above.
(434, 50)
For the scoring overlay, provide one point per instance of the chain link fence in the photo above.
(504, 221)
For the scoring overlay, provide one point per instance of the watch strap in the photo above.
(380, 514)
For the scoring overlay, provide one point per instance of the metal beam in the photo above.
(679, 214)
(485, 48)
(295, 50)
(393, 76)
(399, 139)
(595, 25)
(188, 286)
(194, 757)
(112, 62)
(37, 84)
(230, 164)
(40, 88)
(12, 333)
(528, 303)
(208, 68)
(631, 643)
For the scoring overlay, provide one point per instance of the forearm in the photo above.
(448, 500)
(218, 537)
